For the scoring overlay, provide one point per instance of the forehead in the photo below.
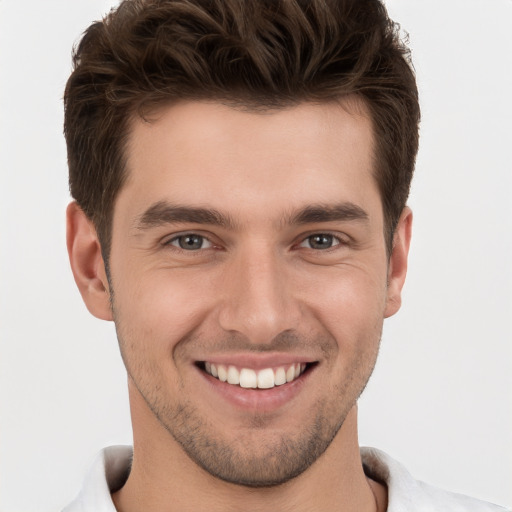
(215, 155)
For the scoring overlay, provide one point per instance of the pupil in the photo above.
(321, 241)
(191, 242)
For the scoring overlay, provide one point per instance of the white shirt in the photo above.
(405, 494)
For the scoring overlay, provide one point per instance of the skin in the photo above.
(254, 292)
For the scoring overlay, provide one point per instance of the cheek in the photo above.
(155, 309)
(350, 304)
(159, 308)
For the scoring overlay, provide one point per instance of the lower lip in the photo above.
(258, 400)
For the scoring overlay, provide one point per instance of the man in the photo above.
(241, 171)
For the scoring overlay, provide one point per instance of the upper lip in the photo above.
(257, 361)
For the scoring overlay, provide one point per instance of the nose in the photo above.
(257, 298)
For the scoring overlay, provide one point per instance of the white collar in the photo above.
(405, 494)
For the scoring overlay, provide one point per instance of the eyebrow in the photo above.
(329, 213)
(163, 212)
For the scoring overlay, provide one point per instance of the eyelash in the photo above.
(190, 235)
(337, 242)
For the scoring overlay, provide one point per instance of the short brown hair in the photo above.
(258, 54)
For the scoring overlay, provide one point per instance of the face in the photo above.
(249, 280)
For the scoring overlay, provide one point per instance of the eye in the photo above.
(190, 242)
(320, 241)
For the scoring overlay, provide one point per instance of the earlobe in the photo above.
(87, 263)
(397, 268)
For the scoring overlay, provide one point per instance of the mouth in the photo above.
(250, 378)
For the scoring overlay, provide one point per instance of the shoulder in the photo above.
(405, 494)
(107, 474)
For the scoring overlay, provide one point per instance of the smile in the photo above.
(248, 378)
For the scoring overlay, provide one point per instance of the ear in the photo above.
(87, 262)
(397, 268)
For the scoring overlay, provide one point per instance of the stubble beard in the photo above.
(259, 457)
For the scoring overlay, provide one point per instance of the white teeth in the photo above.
(233, 375)
(223, 374)
(280, 377)
(248, 378)
(266, 378)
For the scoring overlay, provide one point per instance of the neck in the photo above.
(164, 479)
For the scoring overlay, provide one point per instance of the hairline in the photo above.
(355, 104)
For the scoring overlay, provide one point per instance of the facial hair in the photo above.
(259, 455)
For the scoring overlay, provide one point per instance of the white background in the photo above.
(441, 397)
